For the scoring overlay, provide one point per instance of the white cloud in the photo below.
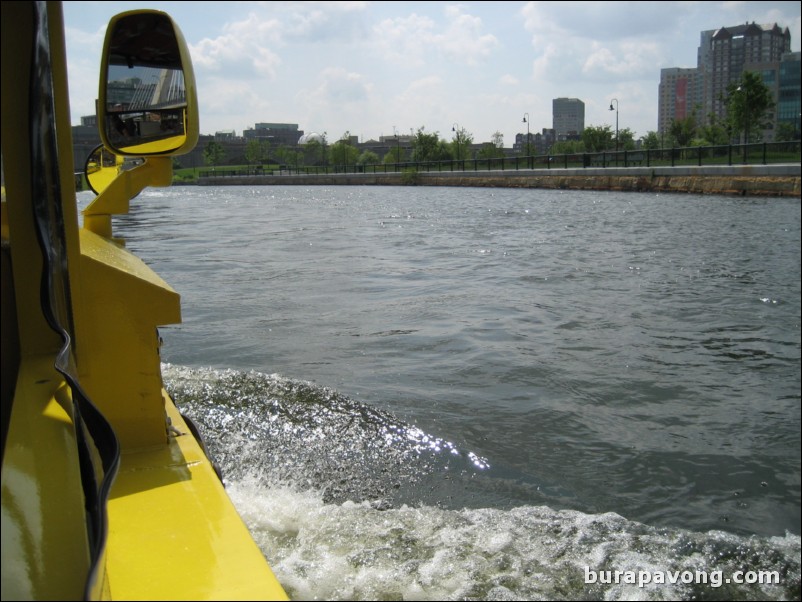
(368, 66)
(319, 22)
(627, 60)
(337, 96)
(405, 40)
(242, 51)
(463, 40)
(339, 86)
(585, 47)
(413, 40)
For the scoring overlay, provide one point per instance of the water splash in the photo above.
(279, 430)
(341, 497)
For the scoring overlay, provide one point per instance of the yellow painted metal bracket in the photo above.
(115, 199)
(125, 302)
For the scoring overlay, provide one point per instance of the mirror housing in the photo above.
(147, 102)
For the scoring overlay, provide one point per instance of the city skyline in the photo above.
(375, 68)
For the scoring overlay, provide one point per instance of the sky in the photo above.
(377, 68)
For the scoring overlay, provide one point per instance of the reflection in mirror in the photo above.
(102, 167)
(146, 98)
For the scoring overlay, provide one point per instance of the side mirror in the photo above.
(102, 167)
(147, 99)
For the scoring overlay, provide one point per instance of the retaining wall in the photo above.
(747, 180)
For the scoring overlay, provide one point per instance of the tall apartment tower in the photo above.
(729, 51)
(568, 118)
(723, 55)
(679, 96)
(789, 105)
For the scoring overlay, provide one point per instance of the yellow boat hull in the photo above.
(106, 492)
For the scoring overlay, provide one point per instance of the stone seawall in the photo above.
(745, 180)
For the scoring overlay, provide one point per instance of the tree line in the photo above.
(750, 110)
(426, 146)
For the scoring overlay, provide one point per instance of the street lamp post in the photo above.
(455, 129)
(615, 100)
(397, 148)
(746, 112)
(745, 92)
(526, 121)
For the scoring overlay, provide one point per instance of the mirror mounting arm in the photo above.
(115, 199)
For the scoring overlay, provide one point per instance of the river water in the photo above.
(464, 393)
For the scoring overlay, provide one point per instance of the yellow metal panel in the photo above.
(118, 345)
(45, 551)
(36, 336)
(170, 511)
(142, 277)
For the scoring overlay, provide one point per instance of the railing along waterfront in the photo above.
(742, 154)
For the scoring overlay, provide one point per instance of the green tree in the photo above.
(256, 151)
(425, 146)
(713, 134)
(442, 151)
(598, 138)
(497, 139)
(368, 157)
(650, 141)
(313, 153)
(683, 130)
(750, 105)
(626, 139)
(342, 152)
(395, 155)
(287, 156)
(460, 144)
(786, 132)
(567, 147)
(214, 153)
(490, 151)
(296, 158)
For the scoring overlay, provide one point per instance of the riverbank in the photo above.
(744, 180)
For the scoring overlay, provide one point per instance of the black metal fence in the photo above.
(742, 154)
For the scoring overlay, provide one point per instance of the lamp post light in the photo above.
(455, 128)
(526, 121)
(615, 100)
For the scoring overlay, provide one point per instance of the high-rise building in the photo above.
(723, 55)
(568, 118)
(679, 96)
(789, 106)
(731, 50)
